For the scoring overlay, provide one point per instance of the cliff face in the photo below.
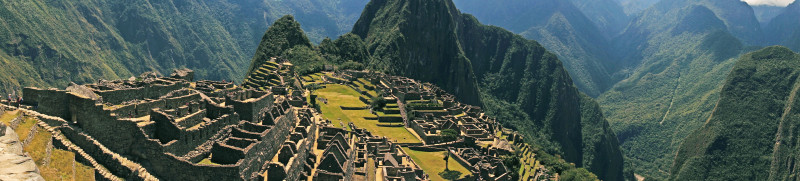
(562, 28)
(516, 80)
(751, 133)
(416, 39)
(784, 29)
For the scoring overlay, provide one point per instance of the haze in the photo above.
(781, 3)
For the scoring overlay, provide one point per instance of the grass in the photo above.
(207, 161)
(25, 127)
(382, 114)
(366, 82)
(61, 161)
(8, 116)
(529, 165)
(312, 78)
(339, 95)
(433, 163)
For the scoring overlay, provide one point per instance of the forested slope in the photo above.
(52, 43)
(751, 134)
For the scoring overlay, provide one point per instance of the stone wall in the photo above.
(265, 150)
(249, 109)
(51, 102)
(151, 91)
(104, 158)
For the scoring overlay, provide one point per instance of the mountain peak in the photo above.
(698, 19)
(284, 34)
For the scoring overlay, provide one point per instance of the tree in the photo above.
(376, 102)
(450, 174)
(449, 134)
(578, 174)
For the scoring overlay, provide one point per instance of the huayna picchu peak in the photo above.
(399, 90)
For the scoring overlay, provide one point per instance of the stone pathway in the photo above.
(15, 164)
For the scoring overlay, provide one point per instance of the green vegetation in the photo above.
(207, 161)
(578, 174)
(286, 39)
(56, 165)
(52, 43)
(749, 134)
(433, 163)
(685, 54)
(8, 116)
(515, 80)
(449, 134)
(561, 28)
(340, 95)
(25, 127)
(450, 174)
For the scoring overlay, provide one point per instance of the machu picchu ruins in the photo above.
(274, 126)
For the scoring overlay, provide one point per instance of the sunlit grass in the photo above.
(339, 95)
(433, 163)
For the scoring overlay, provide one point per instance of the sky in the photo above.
(781, 3)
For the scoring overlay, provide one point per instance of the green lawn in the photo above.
(433, 163)
(340, 95)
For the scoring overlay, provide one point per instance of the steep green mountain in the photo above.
(784, 29)
(516, 80)
(751, 133)
(286, 39)
(677, 56)
(561, 28)
(52, 43)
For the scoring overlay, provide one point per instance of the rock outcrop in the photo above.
(15, 164)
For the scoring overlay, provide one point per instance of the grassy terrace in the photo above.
(433, 163)
(366, 82)
(8, 116)
(528, 166)
(340, 95)
(61, 165)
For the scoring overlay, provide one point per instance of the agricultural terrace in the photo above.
(55, 164)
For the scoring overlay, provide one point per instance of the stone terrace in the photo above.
(170, 127)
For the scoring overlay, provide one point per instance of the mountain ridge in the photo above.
(403, 39)
(754, 110)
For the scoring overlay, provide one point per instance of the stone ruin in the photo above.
(175, 128)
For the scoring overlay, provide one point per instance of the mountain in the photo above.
(765, 13)
(633, 7)
(561, 28)
(608, 15)
(784, 29)
(516, 80)
(675, 57)
(750, 134)
(52, 43)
